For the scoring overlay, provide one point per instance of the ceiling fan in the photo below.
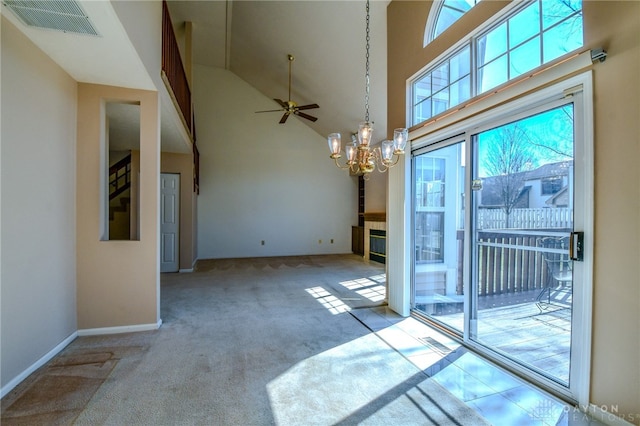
(289, 107)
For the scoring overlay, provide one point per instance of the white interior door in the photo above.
(169, 222)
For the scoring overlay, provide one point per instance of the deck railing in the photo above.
(540, 218)
(173, 70)
(510, 261)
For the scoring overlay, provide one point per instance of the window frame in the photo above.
(471, 40)
(434, 17)
(444, 61)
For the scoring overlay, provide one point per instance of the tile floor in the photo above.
(500, 397)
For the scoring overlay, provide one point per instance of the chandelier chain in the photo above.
(362, 158)
(366, 96)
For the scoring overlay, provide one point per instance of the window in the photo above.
(429, 237)
(430, 203)
(526, 38)
(430, 182)
(447, 85)
(443, 15)
(551, 185)
(537, 34)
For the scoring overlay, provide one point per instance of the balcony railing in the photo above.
(173, 71)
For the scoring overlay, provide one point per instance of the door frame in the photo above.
(580, 88)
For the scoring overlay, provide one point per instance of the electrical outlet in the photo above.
(332, 241)
(262, 242)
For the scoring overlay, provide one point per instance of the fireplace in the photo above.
(378, 245)
(375, 237)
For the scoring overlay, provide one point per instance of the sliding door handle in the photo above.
(576, 246)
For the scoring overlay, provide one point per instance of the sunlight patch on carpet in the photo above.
(372, 288)
(328, 300)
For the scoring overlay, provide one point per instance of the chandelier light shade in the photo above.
(365, 131)
(362, 158)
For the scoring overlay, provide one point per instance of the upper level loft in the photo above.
(173, 73)
(115, 43)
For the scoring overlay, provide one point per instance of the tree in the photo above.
(554, 140)
(507, 158)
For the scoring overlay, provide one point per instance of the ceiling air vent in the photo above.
(58, 15)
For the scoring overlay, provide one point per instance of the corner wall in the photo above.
(260, 180)
(38, 178)
(118, 281)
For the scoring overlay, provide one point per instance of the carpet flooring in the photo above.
(243, 342)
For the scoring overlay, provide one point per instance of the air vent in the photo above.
(58, 15)
(435, 345)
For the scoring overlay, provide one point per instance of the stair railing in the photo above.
(119, 177)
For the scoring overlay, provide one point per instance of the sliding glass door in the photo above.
(522, 215)
(494, 232)
(438, 233)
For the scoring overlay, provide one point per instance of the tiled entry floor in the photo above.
(498, 396)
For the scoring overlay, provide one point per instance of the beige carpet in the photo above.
(244, 342)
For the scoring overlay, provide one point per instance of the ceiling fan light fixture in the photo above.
(361, 157)
(290, 107)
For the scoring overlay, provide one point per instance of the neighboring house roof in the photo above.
(491, 186)
(560, 198)
(492, 198)
(549, 170)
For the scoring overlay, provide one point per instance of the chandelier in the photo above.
(362, 158)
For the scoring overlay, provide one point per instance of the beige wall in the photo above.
(260, 180)
(118, 281)
(615, 378)
(375, 192)
(616, 309)
(38, 263)
(182, 164)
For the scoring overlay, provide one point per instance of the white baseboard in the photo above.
(39, 363)
(610, 416)
(193, 267)
(120, 329)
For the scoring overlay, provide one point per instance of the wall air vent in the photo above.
(59, 15)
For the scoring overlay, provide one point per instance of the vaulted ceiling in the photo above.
(327, 38)
(251, 39)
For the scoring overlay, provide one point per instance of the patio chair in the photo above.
(559, 273)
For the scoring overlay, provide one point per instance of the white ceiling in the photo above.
(327, 38)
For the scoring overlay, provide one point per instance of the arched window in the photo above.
(443, 14)
(532, 34)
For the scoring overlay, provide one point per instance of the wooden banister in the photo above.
(119, 177)
(173, 70)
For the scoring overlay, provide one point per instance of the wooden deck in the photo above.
(537, 334)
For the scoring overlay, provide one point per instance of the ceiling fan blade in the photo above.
(270, 110)
(310, 106)
(307, 116)
(282, 103)
(284, 117)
